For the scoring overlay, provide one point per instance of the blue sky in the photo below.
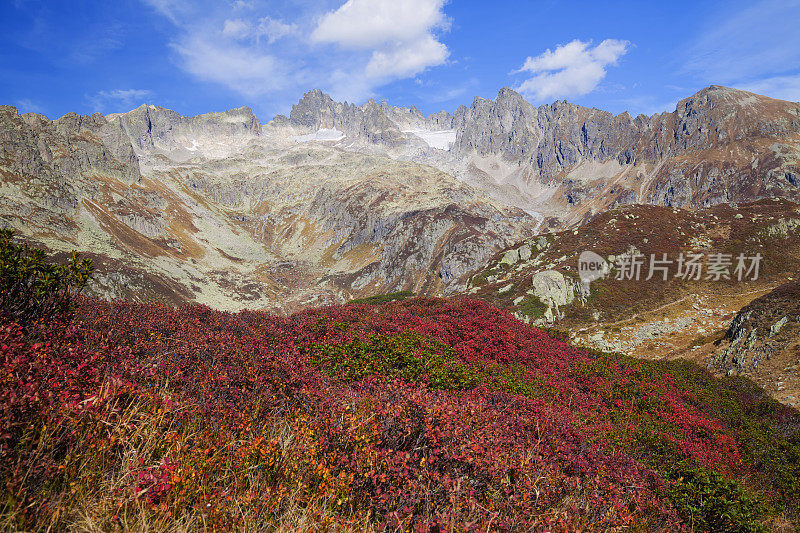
(198, 56)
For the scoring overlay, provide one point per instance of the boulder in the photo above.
(554, 291)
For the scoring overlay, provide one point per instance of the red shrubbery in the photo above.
(423, 415)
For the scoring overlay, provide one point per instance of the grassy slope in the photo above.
(422, 414)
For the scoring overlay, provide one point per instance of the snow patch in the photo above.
(536, 215)
(323, 134)
(441, 139)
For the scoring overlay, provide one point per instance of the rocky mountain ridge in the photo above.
(151, 128)
(571, 162)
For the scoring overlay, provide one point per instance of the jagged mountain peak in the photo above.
(371, 104)
(158, 129)
(507, 93)
(478, 100)
(244, 113)
(723, 91)
(316, 94)
(319, 117)
(718, 92)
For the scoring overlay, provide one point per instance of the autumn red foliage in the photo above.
(419, 415)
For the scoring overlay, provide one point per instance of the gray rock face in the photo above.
(554, 291)
(775, 328)
(47, 159)
(761, 329)
(553, 139)
(439, 121)
(151, 127)
(370, 122)
(62, 149)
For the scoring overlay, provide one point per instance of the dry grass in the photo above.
(98, 497)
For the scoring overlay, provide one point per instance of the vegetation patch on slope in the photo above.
(416, 415)
(383, 298)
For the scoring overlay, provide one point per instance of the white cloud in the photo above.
(572, 69)
(174, 10)
(243, 69)
(222, 43)
(399, 34)
(236, 28)
(361, 24)
(26, 105)
(118, 100)
(781, 87)
(407, 60)
(756, 49)
(348, 51)
(269, 28)
(274, 29)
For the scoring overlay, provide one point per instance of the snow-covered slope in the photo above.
(441, 139)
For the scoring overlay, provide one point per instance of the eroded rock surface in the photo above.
(761, 330)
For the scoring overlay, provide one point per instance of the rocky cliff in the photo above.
(156, 129)
(763, 343)
(762, 329)
(317, 111)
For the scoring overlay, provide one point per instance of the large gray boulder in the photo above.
(554, 291)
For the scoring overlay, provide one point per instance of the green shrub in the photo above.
(482, 278)
(31, 287)
(408, 356)
(383, 298)
(513, 379)
(558, 334)
(419, 358)
(532, 306)
(709, 502)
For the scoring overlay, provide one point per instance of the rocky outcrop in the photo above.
(150, 128)
(760, 330)
(48, 166)
(58, 151)
(554, 291)
(439, 121)
(316, 111)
